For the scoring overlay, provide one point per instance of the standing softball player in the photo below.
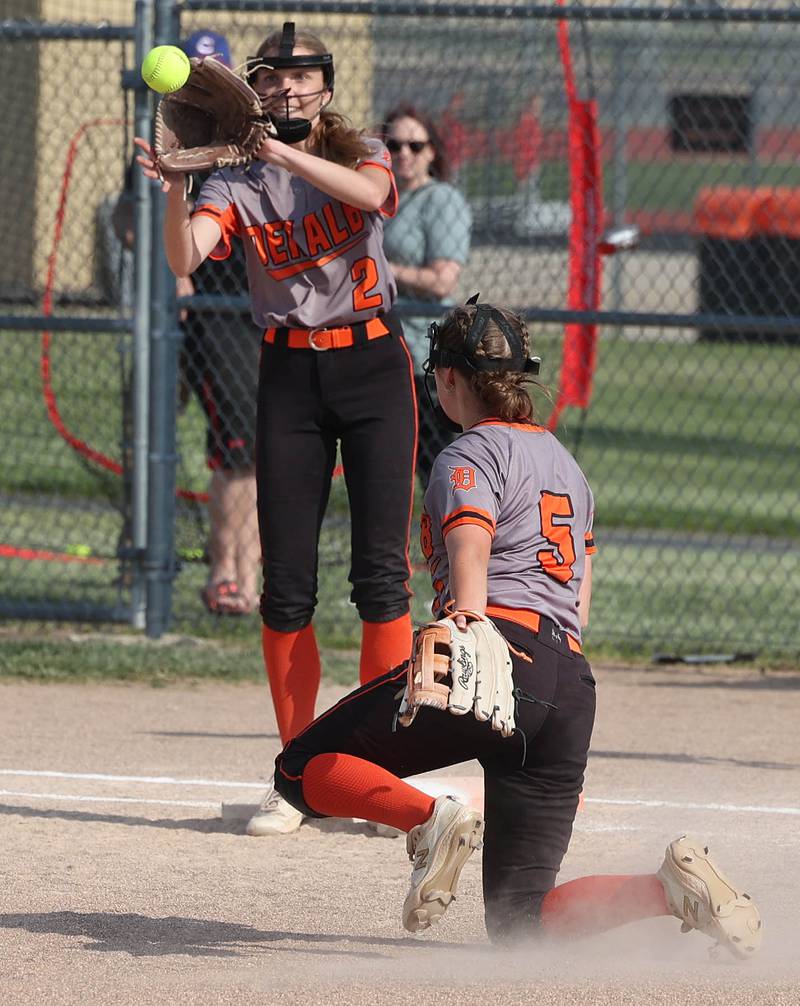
(507, 532)
(334, 367)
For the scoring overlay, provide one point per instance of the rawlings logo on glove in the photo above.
(214, 121)
(462, 671)
(464, 660)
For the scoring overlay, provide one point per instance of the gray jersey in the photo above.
(312, 261)
(522, 486)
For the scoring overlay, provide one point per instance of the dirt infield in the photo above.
(121, 884)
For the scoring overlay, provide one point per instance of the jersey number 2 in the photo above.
(364, 274)
(557, 562)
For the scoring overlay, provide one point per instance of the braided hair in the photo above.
(503, 393)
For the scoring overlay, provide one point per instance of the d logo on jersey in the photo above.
(462, 478)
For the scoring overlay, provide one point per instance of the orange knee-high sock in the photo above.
(591, 905)
(384, 645)
(293, 670)
(341, 785)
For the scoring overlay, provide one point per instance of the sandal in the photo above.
(223, 598)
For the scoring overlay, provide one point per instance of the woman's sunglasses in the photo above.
(415, 146)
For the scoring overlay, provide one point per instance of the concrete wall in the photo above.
(19, 73)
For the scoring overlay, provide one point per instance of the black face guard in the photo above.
(467, 362)
(290, 130)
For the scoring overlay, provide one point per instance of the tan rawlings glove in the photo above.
(462, 671)
(214, 121)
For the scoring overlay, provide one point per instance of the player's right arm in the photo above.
(468, 550)
(585, 592)
(188, 240)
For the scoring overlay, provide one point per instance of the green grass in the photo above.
(127, 658)
(674, 184)
(657, 594)
(652, 591)
(692, 436)
(689, 447)
(699, 437)
(86, 382)
(650, 185)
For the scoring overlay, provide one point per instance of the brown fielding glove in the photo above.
(461, 671)
(214, 121)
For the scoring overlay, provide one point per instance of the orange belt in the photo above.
(531, 620)
(322, 339)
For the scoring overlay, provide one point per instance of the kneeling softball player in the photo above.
(507, 533)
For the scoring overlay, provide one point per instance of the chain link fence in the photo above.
(630, 181)
(64, 515)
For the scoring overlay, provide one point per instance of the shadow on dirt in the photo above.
(213, 825)
(142, 936)
(206, 825)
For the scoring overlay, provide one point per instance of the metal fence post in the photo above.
(141, 325)
(620, 97)
(165, 338)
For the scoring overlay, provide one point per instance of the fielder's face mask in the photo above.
(467, 362)
(291, 130)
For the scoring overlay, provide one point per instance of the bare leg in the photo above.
(222, 517)
(233, 541)
(248, 552)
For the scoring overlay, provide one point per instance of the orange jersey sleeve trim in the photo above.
(228, 220)
(588, 543)
(389, 207)
(529, 427)
(468, 515)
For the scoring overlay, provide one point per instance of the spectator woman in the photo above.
(427, 243)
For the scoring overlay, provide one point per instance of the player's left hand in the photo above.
(150, 168)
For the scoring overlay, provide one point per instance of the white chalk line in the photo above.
(227, 784)
(678, 805)
(58, 797)
(161, 780)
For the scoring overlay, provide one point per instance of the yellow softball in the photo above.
(79, 549)
(166, 68)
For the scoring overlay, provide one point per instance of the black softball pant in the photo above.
(532, 780)
(363, 397)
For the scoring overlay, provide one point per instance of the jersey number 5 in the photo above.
(557, 562)
(364, 274)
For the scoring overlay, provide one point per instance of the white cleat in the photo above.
(703, 898)
(439, 848)
(274, 816)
